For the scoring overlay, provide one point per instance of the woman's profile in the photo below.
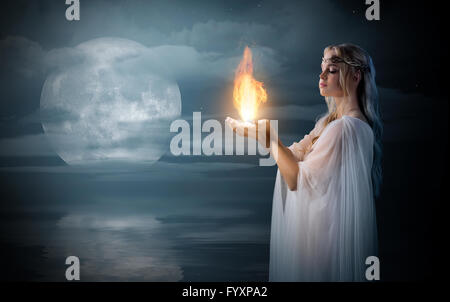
(323, 216)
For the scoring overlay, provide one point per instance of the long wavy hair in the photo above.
(355, 58)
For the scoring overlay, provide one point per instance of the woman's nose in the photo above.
(322, 75)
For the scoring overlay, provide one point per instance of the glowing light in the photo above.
(248, 93)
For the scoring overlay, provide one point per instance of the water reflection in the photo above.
(140, 227)
(142, 247)
(116, 248)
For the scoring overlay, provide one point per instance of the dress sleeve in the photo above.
(298, 148)
(323, 162)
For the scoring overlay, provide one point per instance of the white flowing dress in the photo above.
(325, 230)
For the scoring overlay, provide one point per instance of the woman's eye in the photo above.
(331, 70)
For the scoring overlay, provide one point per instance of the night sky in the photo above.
(207, 218)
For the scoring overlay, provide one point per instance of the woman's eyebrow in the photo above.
(330, 64)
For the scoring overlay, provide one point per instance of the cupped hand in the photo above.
(254, 130)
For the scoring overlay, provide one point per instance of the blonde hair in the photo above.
(356, 58)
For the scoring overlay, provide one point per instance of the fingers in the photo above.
(239, 127)
(250, 129)
(231, 123)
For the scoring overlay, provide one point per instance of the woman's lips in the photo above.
(322, 84)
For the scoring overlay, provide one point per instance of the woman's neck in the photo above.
(346, 105)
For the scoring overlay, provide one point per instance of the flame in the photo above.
(248, 93)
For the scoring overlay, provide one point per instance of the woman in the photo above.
(323, 217)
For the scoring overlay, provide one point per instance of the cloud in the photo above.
(27, 145)
(26, 58)
(225, 35)
(294, 112)
(21, 56)
(176, 59)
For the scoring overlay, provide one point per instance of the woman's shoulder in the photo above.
(359, 122)
(320, 124)
(346, 124)
(357, 115)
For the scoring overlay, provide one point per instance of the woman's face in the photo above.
(329, 78)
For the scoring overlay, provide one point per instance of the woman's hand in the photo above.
(284, 157)
(286, 161)
(254, 130)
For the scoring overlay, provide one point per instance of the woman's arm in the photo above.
(285, 159)
(287, 163)
(299, 149)
(288, 158)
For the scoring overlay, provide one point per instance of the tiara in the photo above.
(336, 59)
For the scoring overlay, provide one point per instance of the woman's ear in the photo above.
(357, 76)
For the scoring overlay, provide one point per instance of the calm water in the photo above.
(209, 223)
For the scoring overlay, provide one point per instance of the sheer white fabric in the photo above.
(325, 230)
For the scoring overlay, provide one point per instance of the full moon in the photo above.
(108, 108)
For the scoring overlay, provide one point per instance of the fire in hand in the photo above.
(248, 93)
